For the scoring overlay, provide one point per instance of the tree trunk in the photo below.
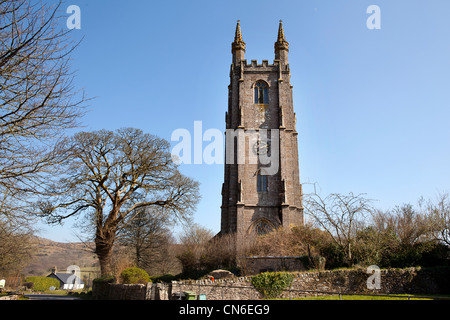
(104, 257)
(103, 248)
(349, 254)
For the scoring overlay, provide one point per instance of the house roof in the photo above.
(64, 277)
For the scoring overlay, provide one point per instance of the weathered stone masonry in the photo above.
(393, 281)
(247, 207)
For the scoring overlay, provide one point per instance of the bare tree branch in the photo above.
(38, 101)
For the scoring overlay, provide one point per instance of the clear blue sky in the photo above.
(373, 106)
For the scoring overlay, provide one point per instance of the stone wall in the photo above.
(393, 281)
(229, 289)
(11, 297)
(256, 265)
(113, 291)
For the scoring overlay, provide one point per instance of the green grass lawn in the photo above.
(363, 297)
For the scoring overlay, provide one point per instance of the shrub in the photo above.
(189, 261)
(134, 275)
(42, 283)
(167, 278)
(272, 284)
(105, 279)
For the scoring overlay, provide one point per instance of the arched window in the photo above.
(262, 227)
(261, 93)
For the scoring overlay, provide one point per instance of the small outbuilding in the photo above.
(67, 281)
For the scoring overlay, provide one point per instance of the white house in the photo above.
(67, 281)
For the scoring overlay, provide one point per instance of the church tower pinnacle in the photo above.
(281, 46)
(238, 46)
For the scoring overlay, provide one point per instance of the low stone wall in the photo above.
(392, 281)
(110, 291)
(11, 297)
(229, 289)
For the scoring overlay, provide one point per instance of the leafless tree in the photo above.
(110, 176)
(148, 236)
(16, 247)
(37, 97)
(193, 240)
(195, 235)
(339, 215)
(439, 218)
(410, 224)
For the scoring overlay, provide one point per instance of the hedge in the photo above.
(166, 278)
(105, 279)
(134, 276)
(43, 283)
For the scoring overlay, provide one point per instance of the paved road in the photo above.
(50, 297)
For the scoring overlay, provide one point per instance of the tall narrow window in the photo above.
(261, 93)
(262, 183)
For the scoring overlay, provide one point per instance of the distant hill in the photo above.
(50, 253)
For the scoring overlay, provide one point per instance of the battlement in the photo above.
(264, 64)
(253, 66)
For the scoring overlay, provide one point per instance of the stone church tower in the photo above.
(263, 194)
